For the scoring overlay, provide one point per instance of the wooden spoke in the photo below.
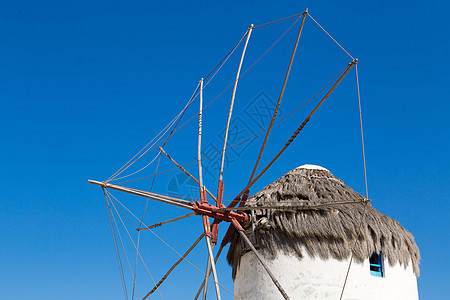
(174, 265)
(294, 135)
(213, 268)
(291, 207)
(283, 87)
(208, 272)
(233, 95)
(263, 263)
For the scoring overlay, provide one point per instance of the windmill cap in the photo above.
(312, 167)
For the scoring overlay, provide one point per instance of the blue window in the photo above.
(376, 264)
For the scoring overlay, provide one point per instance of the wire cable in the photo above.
(280, 97)
(365, 180)
(330, 36)
(170, 247)
(280, 20)
(143, 215)
(212, 101)
(174, 120)
(243, 73)
(119, 261)
(129, 236)
(125, 166)
(218, 67)
(223, 61)
(248, 138)
(124, 251)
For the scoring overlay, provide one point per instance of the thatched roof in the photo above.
(328, 232)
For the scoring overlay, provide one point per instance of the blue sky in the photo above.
(84, 85)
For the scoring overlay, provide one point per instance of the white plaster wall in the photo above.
(310, 278)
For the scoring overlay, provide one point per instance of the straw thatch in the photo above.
(327, 232)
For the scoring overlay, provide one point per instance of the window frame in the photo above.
(379, 265)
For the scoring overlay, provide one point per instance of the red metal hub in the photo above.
(206, 209)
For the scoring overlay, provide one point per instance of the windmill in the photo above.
(239, 215)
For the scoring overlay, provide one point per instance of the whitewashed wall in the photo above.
(310, 278)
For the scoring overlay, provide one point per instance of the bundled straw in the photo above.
(327, 232)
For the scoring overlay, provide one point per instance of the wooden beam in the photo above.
(233, 95)
(145, 194)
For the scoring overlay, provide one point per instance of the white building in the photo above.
(309, 250)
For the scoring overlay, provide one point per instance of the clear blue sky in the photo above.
(84, 85)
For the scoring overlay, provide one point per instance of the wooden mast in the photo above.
(230, 110)
(203, 199)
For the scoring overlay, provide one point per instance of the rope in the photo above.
(143, 168)
(354, 245)
(176, 120)
(192, 98)
(194, 162)
(115, 207)
(131, 162)
(248, 69)
(221, 64)
(263, 263)
(292, 207)
(165, 222)
(119, 261)
(180, 115)
(143, 215)
(174, 265)
(250, 137)
(179, 197)
(330, 36)
(170, 247)
(209, 272)
(129, 236)
(187, 173)
(125, 252)
(275, 112)
(362, 133)
(365, 181)
(280, 20)
(298, 130)
(230, 110)
(224, 60)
